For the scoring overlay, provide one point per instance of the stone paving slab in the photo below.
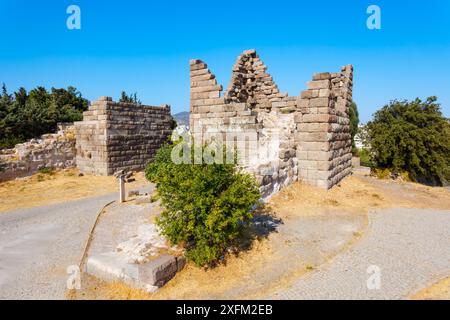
(112, 267)
(123, 239)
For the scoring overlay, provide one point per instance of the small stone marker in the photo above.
(123, 177)
(120, 175)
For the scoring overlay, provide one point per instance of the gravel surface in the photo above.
(411, 248)
(38, 245)
(298, 244)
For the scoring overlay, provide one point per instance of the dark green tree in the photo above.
(129, 98)
(5, 102)
(10, 120)
(28, 115)
(413, 137)
(354, 122)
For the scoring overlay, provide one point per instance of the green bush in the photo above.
(161, 160)
(207, 207)
(412, 137)
(365, 158)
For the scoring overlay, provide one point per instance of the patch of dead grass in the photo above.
(111, 291)
(437, 291)
(59, 186)
(357, 194)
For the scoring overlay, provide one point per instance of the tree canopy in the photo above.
(412, 137)
(25, 115)
(129, 98)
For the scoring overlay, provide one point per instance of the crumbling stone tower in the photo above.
(310, 133)
(120, 136)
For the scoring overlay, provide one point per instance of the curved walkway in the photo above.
(37, 246)
(409, 247)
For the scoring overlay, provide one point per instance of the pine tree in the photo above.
(129, 98)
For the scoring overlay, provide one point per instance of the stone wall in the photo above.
(55, 151)
(120, 136)
(295, 138)
(323, 136)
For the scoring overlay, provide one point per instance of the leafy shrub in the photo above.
(207, 207)
(412, 137)
(365, 158)
(161, 160)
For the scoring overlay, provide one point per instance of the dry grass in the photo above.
(438, 291)
(110, 291)
(56, 187)
(358, 194)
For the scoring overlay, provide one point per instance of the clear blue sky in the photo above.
(144, 46)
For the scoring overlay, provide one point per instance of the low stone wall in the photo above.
(120, 136)
(49, 151)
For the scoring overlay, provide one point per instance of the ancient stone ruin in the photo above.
(285, 138)
(113, 136)
(304, 137)
(117, 136)
(55, 150)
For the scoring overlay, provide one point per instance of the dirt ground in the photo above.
(347, 203)
(56, 187)
(437, 291)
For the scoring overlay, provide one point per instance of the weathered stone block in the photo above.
(198, 66)
(319, 84)
(322, 76)
(158, 271)
(318, 102)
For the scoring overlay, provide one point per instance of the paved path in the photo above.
(410, 246)
(38, 244)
